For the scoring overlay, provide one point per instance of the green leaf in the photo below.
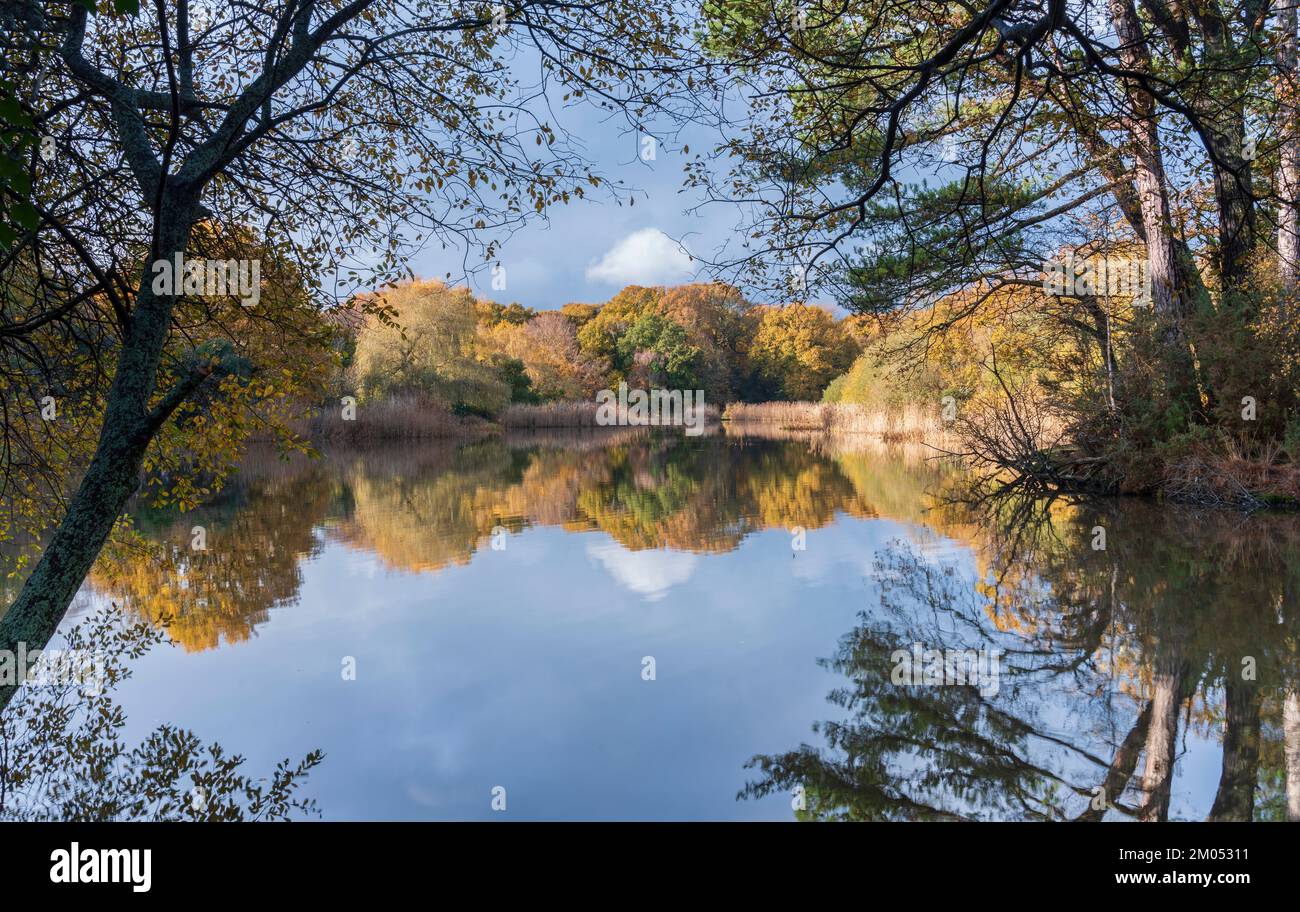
(24, 214)
(10, 112)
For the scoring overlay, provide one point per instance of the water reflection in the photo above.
(1183, 624)
(63, 755)
(424, 510)
(1148, 654)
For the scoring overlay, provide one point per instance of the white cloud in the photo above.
(647, 573)
(645, 257)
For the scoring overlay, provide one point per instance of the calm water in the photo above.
(504, 604)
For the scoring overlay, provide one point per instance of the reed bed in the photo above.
(910, 422)
(399, 418)
(579, 439)
(580, 415)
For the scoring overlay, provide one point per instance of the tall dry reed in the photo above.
(573, 414)
(398, 418)
(910, 422)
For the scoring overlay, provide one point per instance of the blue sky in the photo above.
(589, 249)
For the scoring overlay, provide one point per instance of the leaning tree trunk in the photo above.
(114, 470)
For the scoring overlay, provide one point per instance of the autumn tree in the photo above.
(719, 322)
(656, 351)
(579, 313)
(342, 133)
(599, 334)
(909, 151)
(430, 350)
(798, 349)
(557, 368)
(713, 319)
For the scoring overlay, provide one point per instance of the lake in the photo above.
(642, 625)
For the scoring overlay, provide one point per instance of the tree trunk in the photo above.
(1235, 799)
(1171, 295)
(1291, 748)
(114, 471)
(1162, 739)
(1236, 204)
(1149, 168)
(1288, 176)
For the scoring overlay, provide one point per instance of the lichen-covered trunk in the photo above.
(114, 470)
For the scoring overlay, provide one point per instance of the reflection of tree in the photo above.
(1206, 602)
(918, 752)
(256, 536)
(62, 756)
(1107, 651)
(426, 509)
(650, 491)
(425, 514)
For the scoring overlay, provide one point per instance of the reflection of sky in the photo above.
(527, 673)
(647, 573)
(523, 669)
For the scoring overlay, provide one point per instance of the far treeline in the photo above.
(445, 348)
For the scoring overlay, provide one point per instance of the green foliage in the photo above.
(521, 388)
(930, 241)
(655, 351)
(1291, 437)
(599, 335)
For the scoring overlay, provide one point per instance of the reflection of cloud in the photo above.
(645, 257)
(423, 796)
(647, 573)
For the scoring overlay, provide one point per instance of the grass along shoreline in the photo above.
(1206, 478)
(416, 418)
(910, 423)
(413, 418)
(583, 415)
